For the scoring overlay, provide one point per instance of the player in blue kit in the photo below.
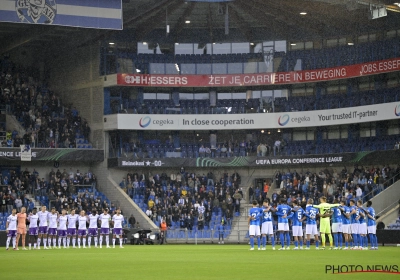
(266, 226)
(337, 226)
(371, 226)
(254, 224)
(311, 223)
(282, 211)
(355, 224)
(297, 225)
(363, 226)
(346, 223)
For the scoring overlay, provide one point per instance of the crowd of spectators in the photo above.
(185, 198)
(48, 122)
(60, 189)
(360, 183)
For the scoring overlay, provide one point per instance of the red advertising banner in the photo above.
(280, 78)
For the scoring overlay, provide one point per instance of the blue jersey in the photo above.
(362, 219)
(297, 216)
(337, 215)
(255, 213)
(354, 215)
(267, 216)
(281, 211)
(371, 212)
(311, 214)
(346, 210)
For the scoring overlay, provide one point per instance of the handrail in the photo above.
(391, 206)
(371, 192)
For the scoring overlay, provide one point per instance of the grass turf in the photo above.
(189, 262)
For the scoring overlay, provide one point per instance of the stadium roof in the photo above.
(212, 21)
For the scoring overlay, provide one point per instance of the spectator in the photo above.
(358, 192)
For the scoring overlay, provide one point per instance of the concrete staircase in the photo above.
(13, 124)
(121, 199)
(32, 198)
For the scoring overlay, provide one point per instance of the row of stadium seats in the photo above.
(310, 59)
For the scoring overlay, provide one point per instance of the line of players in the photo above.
(46, 226)
(352, 222)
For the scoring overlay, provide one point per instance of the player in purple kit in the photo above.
(71, 230)
(62, 229)
(52, 232)
(43, 223)
(105, 227)
(33, 228)
(93, 219)
(118, 219)
(11, 226)
(82, 230)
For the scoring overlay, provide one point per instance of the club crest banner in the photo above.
(103, 14)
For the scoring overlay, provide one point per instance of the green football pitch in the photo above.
(195, 262)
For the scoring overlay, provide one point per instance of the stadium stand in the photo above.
(48, 122)
(196, 203)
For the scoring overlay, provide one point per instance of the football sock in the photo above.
(38, 242)
(55, 241)
(355, 240)
(336, 237)
(376, 240)
(273, 241)
(107, 240)
(252, 242)
(84, 241)
(330, 239)
(308, 243)
(8, 242)
(365, 241)
(59, 241)
(113, 241)
(316, 243)
(65, 241)
(301, 242)
(287, 239)
(73, 241)
(68, 241)
(282, 238)
(361, 241)
(101, 239)
(79, 242)
(264, 241)
(89, 240)
(296, 243)
(49, 241)
(323, 239)
(340, 239)
(258, 241)
(14, 242)
(44, 242)
(120, 242)
(95, 241)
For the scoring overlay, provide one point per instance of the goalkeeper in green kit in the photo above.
(324, 222)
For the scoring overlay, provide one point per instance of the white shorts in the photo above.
(267, 228)
(372, 229)
(346, 228)
(362, 228)
(254, 230)
(337, 227)
(283, 227)
(355, 228)
(297, 230)
(311, 229)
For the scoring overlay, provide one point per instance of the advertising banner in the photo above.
(367, 157)
(102, 14)
(360, 114)
(82, 155)
(259, 79)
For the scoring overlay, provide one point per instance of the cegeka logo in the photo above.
(144, 122)
(283, 120)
